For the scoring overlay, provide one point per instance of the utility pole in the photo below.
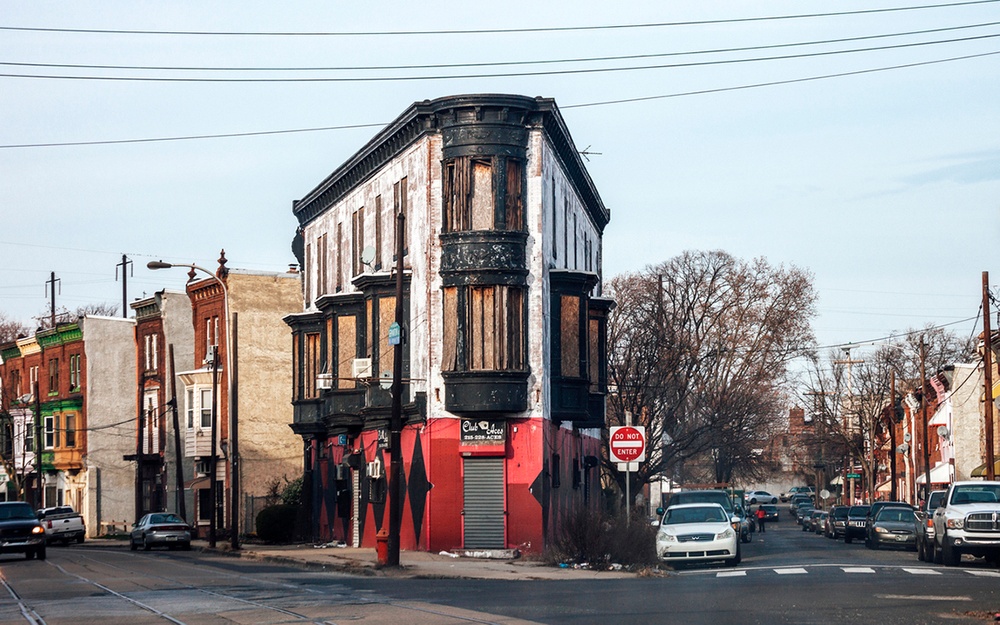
(923, 417)
(988, 377)
(396, 417)
(125, 263)
(234, 449)
(212, 457)
(850, 398)
(892, 435)
(178, 448)
(51, 283)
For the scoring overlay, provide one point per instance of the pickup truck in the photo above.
(62, 524)
(968, 522)
(20, 530)
(925, 526)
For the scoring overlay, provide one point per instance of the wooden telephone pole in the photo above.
(988, 377)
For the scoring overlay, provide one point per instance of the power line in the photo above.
(557, 72)
(544, 29)
(891, 336)
(566, 107)
(493, 63)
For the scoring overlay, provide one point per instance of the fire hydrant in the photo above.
(382, 546)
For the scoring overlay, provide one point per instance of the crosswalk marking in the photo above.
(984, 573)
(731, 574)
(790, 571)
(857, 569)
(922, 571)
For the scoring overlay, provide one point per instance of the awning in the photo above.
(940, 417)
(980, 471)
(837, 481)
(884, 487)
(940, 474)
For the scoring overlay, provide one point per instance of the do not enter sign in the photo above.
(628, 443)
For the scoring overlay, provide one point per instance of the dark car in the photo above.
(770, 512)
(873, 511)
(856, 523)
(21, 531)
(809, 520)
(925, 526)
(836, 522)
(803, 511)
(160, 529)
(796, 501)
(894, 526)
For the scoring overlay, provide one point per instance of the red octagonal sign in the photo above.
(628, 443)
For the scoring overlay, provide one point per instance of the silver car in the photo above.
(896, 527)
(161, 529)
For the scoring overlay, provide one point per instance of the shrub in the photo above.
(276, 524)
(598, 539)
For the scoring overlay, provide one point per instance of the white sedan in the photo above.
(697, 532)
(754, 497)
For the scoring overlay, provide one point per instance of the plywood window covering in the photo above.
(482, 194)
(399, 204)
(310, 296)
(53, 375)
(450, 334)
(495, 328)
(514, 208)
(594, 353)
(339, 243)
(296, 374)
(347, 332)
(569, 317)
(357, 239)
(321, 250)
(386, 316)
(312, 366)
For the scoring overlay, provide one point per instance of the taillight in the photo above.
(50, 524)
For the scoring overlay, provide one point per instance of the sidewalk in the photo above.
(413, 564)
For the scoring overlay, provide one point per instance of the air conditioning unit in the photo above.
(361, 368)
(375, 469)
(203, 467)
(324, 381)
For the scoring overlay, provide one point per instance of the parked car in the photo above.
(798, 490)
(819, 522)
(966, 522)
(697, 532)
(797, 500)
(803, 511)
(21, 531)
(160, 529)
(62, 524)
(873, 511)
(836, 522)
(894, 526)
(856, 523)
(754, 497)
(747, 524)
(925, 526)
(770, 512)
(720, 497)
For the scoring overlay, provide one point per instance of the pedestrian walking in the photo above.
(760, 519)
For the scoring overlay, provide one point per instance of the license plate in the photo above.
(169, 538)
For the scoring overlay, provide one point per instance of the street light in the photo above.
(233, 444)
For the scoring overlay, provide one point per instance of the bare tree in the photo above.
(11, 329)
(698, 353)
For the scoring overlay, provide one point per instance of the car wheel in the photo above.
(847, 539)
(29, 554)
(949, 555)
(735, 559)
(40, 553)
(874, 545)
(937, 554)
(921, 555)
(186, 547)
(79, 539)
(145, 545)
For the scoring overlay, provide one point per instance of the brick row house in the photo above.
(503, 333)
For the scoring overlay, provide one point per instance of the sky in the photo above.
(869, 155)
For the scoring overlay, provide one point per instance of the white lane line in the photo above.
(731, 574)
(922, 571)
(926, 597)
(857, 569)
(984, 573)
(791, 571)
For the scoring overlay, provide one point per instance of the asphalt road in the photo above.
(787, 576)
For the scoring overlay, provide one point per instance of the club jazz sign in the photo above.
(483, 432)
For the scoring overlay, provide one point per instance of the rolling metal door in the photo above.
(484, 512)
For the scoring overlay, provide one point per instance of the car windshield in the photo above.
(975, 494)
(895, 514)
(16, 511)
(857, 511)
(839, 513)
(706, 514)
(165, 518)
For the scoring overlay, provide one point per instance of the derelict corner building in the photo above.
(504, 332)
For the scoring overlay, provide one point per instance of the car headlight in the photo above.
(38, 529)
(955, 524)
(666, 538)
(729, 533)
(881, 530)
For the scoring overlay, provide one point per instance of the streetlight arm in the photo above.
(158, 264)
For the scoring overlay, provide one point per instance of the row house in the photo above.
(164, 345)
(269, 452)
(70, 393)
(503, 333)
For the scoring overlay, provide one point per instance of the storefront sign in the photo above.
(483, 432)
(383, 438)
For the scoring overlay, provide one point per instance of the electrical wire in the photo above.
(626, 57)
(557, 72)
(566, 107)
(550, 29)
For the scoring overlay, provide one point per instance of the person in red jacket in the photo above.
(760, 519)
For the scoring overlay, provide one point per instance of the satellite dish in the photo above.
(943, 432)
(902, 449)
(906, 437)
(368, 255)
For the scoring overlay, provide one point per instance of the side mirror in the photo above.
(659, 511)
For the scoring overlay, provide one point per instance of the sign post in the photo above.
(627, 447)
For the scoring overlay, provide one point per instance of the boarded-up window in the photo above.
(378, 231)
(594, 354)
(450, 334)
(347, 328)
(312, 366)
(340, 258)
(495, 328)
(482, 195)
(570, 336)
(357, 239)
(386, 316)
(514, 208)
